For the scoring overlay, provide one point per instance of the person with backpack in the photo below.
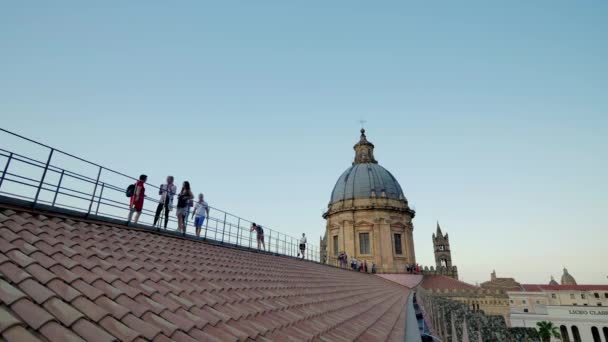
(201, 210)
(167, 192)
(137, 192)
(302, 245)
(185, 195)
(259, 234)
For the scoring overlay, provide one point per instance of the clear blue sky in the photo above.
(492, 115)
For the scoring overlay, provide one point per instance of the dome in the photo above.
(567, 278)
(365, 181)
(365, 178)
(553, 282)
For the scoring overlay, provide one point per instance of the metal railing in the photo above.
(53, 181)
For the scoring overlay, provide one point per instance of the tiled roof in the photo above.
(65, 279)
(542, 287)
(439, 282)
(407, 280)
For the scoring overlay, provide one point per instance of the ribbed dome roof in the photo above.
(366, 180)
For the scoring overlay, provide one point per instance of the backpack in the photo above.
(130, 190)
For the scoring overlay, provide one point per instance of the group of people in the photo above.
(412, 268)
(185, 201)
(167, 193)
(355, 265)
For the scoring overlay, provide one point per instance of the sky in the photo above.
(493, 116)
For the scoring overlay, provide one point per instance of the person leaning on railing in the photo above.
(259, 234)
(137, 199)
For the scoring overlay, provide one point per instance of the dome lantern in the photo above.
(364, 150)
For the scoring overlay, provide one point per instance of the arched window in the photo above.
(605, 330)
(596, 334)
(564, 332)
(575, 334)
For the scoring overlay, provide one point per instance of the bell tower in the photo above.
(441, 246)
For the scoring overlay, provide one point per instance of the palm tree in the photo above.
(546, 330)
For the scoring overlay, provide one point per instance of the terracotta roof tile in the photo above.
(167, 327)
(200, 335)
(53, 331)
(7, 320)
(65, 313)
(101, 282)
(31, 313)
(24, 246)
(36, 291)
(148, 330)
(13, 272)
(65, 274)
(119, 330)
(19, 334)
(6, 246)
(115, 309)
(65, 291)
(9, 294)
(41, 274)
(89, 291)
(90, 309)
(44, 260)
(91, 332)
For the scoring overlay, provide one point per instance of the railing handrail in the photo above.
(97, 198)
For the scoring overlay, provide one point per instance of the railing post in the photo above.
(224, 227)
(58, 187)
(46, 167)
(270, 241)
(99, 200)
(94, 191)
(238, 231)
(8, 161)
(206, 227)
(250, 238)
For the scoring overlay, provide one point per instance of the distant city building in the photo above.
(579, 311)
(368, 216)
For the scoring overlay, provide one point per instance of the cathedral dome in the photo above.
(567, 278)
(365, 178)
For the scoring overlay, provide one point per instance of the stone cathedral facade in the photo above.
(368, 215)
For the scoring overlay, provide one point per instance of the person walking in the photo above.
(373, 267)
(259, 234)
(365, 266)
(184, 196)
(167, 192)
(302, 245)
(137, 199)
(201, 210)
